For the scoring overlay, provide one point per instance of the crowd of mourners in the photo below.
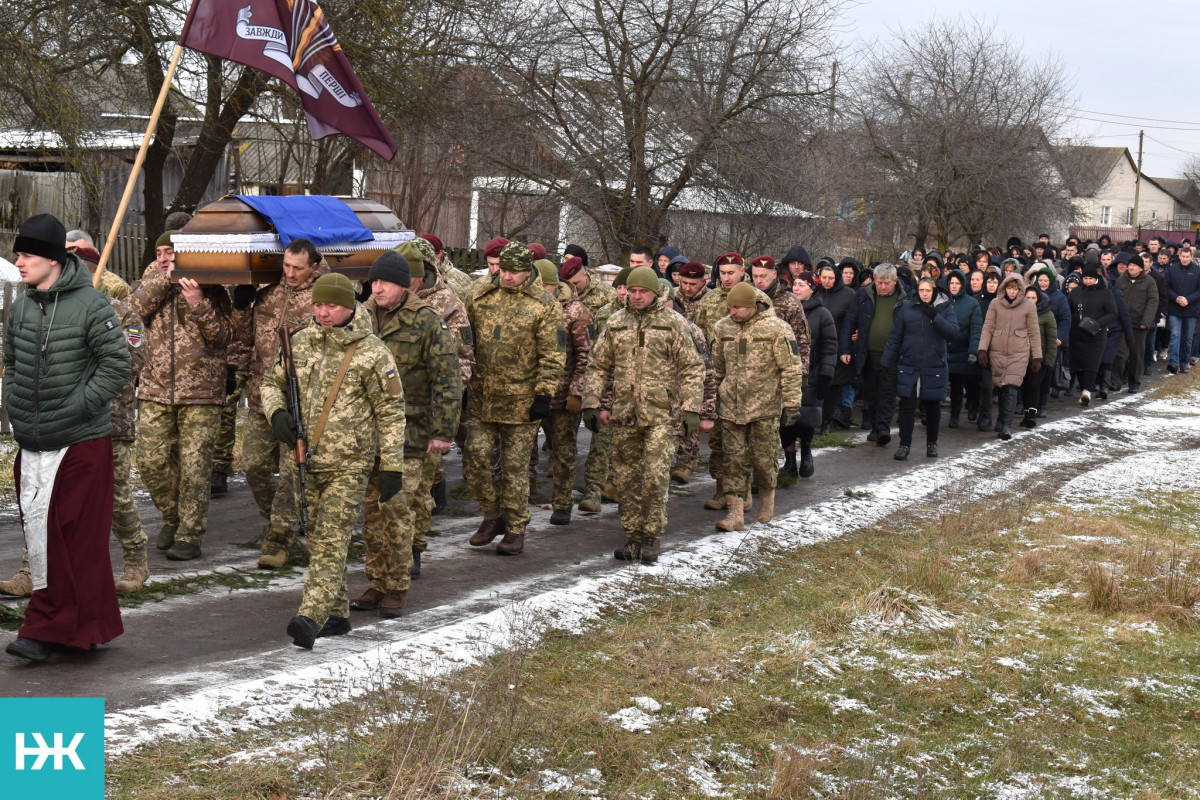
(759, 354)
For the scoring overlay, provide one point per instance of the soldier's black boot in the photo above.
(789, 463)
(806, 461)
(218, 483)
(303, 631)
(415, 572)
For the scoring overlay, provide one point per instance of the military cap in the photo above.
(516, 257)
(547, 270)
(643, 277)
(336, 288)
(570, 267)
(538, 250)
(763, 262)
(622, 277)
(493, 248)
(164, 239)
(741, 296)
(692, 269)
(433, 240)
(731, 258)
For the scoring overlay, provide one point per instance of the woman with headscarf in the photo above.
(961, 350)
(1093, 310)
(1009, 342)
(1037, 382)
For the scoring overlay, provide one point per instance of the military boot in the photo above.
(218, 483)
(719, 502)
(133, 578)
(734, 520)
(789, 464)
(766, 505)
(488, 530)
(166, 536)
(630, 551)
(275, 550)
(334, 626)
(393, 603)
(183, 551)
(806, 461)
(590, 504)
(20, 585)
(415, 570)
(303, 631)
(368, 601)
(681, 475)
(512, 544)
(609, 492)
(649, 551)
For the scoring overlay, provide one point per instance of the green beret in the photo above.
(643, 277)
(164, 239)
(516, 257)
(742, 296)
(547, 270)
(334, 287)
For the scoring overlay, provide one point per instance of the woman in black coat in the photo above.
(1093, 309)
(836, 297)
(823, 349)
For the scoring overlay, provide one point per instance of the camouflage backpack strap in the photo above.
(333, 391)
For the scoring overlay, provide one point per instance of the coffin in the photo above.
(229, 242)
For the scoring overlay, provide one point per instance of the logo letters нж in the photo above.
(44, 751)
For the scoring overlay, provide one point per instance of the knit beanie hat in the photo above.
(164, 239)
(643, 277)
(742, 296)
(1091, 271)
(42, 235)
(547, 271)
(336, 288)
(576, 250)
(516, 257)
(391, 266)
(622, 277)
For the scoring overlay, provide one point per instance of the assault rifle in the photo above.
(293, 403)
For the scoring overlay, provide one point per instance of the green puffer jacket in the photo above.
(65, 358)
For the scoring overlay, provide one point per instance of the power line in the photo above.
(1173, 147)
(1147, 119)
(1138, 125)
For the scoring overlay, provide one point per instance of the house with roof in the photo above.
(1103, 182)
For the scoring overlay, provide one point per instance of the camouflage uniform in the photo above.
(788, 308)
(600, 298)
(688, 448)
(181, 388)
(562, 425)
(366, 418)
(651, 362)
(689, 307)
(237, 359)
(126, 522)
(454, 312)
(112, 285)
(757, 364)
(257, 330)
(419, 341)
(460, 282)
(520, 352)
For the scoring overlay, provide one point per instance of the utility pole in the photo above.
(1137, 185)
(832, 96)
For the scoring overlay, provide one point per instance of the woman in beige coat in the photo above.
(1010, 344)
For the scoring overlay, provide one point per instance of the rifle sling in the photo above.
(333, 390)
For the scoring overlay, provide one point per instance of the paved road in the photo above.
(187, 642)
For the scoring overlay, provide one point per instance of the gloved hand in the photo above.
(243, 296)
(791, 417)
(1036, 366)
(691, 424)
(574, 404)
(983, 359)
(823, 384)
(284, 425)
(390, 482)
(540, 408)
(928, 310)
(591, 419)
(972, 360)
(230, 380)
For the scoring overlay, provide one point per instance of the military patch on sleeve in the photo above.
(591, 332)
(562, 339)
(467, 336)
(133, 335)
(393, 383)
(795, 347)
(108, 323)
(445, 327)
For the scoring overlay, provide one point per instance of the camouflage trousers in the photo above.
(260, 459)
(598, 464)
(227, 432)
(642, 473)
(560, 433)
(422, 504)
(717, 464)
(751, 449)
(388, 528)
(507, 497)
(686, 449)
(126, 523)
(337, 500)
(175, 452)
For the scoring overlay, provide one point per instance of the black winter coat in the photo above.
(917, 348)
(823, 350)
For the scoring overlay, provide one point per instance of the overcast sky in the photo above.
(1135, 59)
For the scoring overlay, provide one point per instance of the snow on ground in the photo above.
(1151, 431)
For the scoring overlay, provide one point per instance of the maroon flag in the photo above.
(292, 40)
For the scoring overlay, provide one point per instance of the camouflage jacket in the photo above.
(458, 281)
(419, 340)
(757, 366)
(257, 327)
(713, 307)
(367, 416)
(788, 308)
(652, 363)
(709, 409)
(520, 349)
(578, 323)
(123, 407)
(689, 307)
(185, 346)
(112, 285)
(600, 298)
(454, 311)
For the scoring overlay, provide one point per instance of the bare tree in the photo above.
(616, 107)
(957, 124)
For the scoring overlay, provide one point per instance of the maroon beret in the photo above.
(571, 266)
(537, 249)
(763, 262)
(88, 254)
(433, 240)
(692, 269)
(492, 249)
(731, 258)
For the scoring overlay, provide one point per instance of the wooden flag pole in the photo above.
(137, 163)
